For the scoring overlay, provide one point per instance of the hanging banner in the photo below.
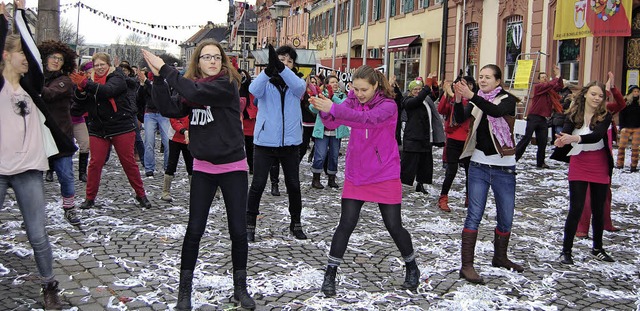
(523, 74)
(345, 77)
(592, 18)
(239, 14)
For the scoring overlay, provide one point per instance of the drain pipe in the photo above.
(443, 40)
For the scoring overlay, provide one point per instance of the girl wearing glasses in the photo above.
(208, 94)
(28, 135)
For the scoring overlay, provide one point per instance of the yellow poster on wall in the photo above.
(592, 18)
(523, 74)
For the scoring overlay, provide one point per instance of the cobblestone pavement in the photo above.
(126, 258)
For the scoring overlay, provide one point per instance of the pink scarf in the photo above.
(499, 126)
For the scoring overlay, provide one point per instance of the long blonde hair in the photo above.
(194, 72)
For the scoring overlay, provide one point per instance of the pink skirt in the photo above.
(385, 192)
(591, 166)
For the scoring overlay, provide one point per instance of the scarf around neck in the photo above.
(499, 125)
(102, 80)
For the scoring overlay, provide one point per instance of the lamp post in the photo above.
(279, 10)
(225, 45)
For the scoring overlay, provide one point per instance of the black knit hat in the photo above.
(631, 88)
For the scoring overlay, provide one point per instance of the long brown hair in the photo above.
(194, 72)
(13, 43)
(374, 76)
(576, 110)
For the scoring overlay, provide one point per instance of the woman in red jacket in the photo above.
(178, 143)
(456, 136)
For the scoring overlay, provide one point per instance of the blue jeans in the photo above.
(153, 122)
(502, 179)
(321, 154)
(64, 170)
(29, 190)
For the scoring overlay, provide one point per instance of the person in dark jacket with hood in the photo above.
(278, 134)
(57, 93)
(111, 122)
(417, 157)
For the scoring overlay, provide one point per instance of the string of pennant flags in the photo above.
(128, 23)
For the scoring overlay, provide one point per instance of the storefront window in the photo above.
(513, 46)
(568, 55)
(471, 50)
(407, 65)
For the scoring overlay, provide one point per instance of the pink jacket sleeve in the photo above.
(345, 114)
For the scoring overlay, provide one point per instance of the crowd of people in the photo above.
(229, 126)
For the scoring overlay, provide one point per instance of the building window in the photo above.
(357, 51)
(568, 54)
(425, 3)
(472, 49)
(363, 8)
(375, 15)
(408, 6)
(513, 45)
(407, 65)
(393, 8)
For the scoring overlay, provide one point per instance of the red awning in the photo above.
(401, 44)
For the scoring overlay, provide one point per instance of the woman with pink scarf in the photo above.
(490, 144)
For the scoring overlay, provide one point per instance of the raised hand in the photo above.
(321, 103)
(274, 60)
(154, 62)
(609, 85)
(20, 4)
(462, 89)
(79, 79)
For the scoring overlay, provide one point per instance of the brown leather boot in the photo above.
(468, 250)
(500, 244)
(443, 203)
(316, 181)
(51, 298)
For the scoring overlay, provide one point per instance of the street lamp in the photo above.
(279, 10)
(225, 44)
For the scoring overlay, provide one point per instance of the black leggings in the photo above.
(453, 150)
(174, 155)
(203, 187)
(577, 196)
(391, 214)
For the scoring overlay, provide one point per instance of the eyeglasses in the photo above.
(208, 57)
(58, 58)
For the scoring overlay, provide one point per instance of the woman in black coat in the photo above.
(417, 157)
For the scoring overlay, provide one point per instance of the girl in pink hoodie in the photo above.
(372, 169)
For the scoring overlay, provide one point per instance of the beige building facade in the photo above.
(415, 30)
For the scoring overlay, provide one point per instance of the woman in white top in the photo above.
(28, 136)
(590, 164)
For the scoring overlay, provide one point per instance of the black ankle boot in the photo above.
(87, 204)
(329, 283)
(274, 190)
(240, 293)
(420, 188)
(296, 230)
(412, 275)
(251, 233)
(184, 290)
